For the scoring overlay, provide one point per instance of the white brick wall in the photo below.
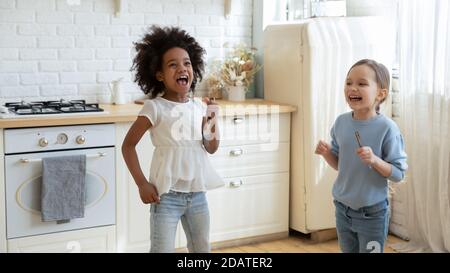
(51, 50)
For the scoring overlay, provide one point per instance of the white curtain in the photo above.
(424, 47)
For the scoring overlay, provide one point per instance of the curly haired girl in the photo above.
(168, 64)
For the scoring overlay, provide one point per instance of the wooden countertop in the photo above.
(128, 112)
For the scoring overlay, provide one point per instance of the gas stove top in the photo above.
(48, 108)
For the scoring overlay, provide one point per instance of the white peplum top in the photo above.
(180, 162)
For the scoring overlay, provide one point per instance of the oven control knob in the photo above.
(62, 138)
(43, 142)
(80, 140)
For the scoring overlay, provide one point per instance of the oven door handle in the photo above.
(26, 160)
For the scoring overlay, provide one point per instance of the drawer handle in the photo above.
(236, 152)
(236, 184)
(238, 120)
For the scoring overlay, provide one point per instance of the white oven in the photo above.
(24, 150)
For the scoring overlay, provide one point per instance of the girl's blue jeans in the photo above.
(363, 230)
(192, 209)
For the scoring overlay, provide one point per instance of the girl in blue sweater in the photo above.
(367, 150)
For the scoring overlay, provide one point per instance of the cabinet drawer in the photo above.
(86, 240)
(252, 129)
(249, 206)
(255, 159)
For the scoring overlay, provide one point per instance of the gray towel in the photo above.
(63, 188)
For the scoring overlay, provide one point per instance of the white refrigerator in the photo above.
(305, 64)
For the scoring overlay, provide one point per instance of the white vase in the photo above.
(236, 93)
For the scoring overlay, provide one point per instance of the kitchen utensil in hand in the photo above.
(358, 139)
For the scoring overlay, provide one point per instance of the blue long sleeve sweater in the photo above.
(358, 185)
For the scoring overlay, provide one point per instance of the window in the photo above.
(292, 10)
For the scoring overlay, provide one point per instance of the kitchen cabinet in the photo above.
(253, 159)
(133, 216)
(91, 240)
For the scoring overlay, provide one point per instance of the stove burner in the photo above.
(52, 107)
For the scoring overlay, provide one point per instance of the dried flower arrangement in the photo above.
(237, 69)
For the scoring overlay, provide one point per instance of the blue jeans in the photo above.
(192, 209)
(363, 230)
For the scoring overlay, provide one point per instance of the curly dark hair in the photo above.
(150, 51)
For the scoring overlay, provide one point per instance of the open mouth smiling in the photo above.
(182, 80)
(354, 98)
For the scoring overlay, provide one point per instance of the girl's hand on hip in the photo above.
(322, 148)
(149, 193)
(366, 154)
